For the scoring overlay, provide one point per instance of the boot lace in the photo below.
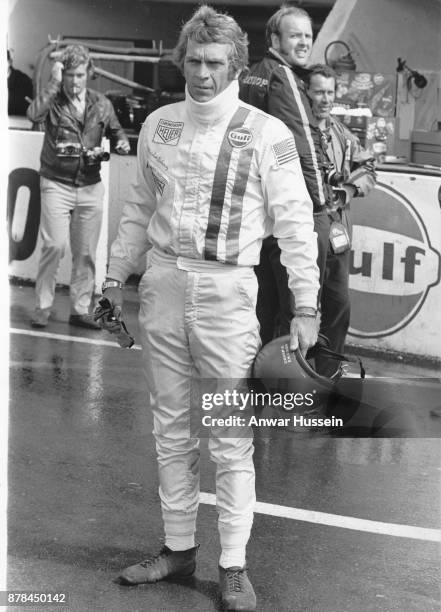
(235, 580)
(152, 560)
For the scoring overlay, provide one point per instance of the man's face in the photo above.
(75, 80)
(294, 42)
(321, 92)
(207, 69)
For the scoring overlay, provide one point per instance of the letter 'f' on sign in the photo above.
(410, 261)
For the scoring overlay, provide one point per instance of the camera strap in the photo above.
(334, 215)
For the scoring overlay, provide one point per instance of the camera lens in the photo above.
(335, 178)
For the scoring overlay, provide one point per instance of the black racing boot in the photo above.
(236, 589)
(180, 564)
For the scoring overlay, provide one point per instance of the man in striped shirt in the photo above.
(215, 176)
(275, 86)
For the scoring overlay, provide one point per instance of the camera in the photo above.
(95, 156)
(68, 149)
(332, 176)
(76, 149)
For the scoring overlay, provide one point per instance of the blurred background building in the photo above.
(372, 39)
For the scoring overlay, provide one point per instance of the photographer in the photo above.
(75, 121)
(350, 173)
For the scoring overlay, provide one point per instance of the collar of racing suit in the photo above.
(215, 109)
(277, 56)
(300, 71)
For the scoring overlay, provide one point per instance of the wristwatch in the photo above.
(111, 283)
(305, 311)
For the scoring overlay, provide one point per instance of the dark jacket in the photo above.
(353, 161)
(64, 127)
(19, 88)
(274, 87)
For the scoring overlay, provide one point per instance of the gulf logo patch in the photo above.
(240, 137)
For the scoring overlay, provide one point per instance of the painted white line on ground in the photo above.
(65, 337)
(41, 334)
(352, 375)
(310, 516)
(336, 520)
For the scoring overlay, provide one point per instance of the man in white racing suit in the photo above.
(215, 176)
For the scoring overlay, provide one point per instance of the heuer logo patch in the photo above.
(168, 132)
(240, 137)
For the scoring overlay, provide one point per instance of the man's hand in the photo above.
(108, 314)
(345, 193)
(122, 147)
(57, 71)
(304, 332)
(110, 318)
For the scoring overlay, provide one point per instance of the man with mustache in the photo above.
(351, 173)
(75, 120)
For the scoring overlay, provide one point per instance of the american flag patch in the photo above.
(285, 151)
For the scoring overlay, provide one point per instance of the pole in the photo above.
(122, 80)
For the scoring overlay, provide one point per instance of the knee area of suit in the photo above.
(167, 448)
(234, 457)
(55, 248)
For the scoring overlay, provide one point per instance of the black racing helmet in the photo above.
(276, 365)
(318, 374)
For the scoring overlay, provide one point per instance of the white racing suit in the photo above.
(214, 179)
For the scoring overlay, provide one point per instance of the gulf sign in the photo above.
(394, 264)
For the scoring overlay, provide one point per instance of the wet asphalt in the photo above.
(83, 498)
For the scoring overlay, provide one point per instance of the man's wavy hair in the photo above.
(274, 22)
(75, 55)
(209, 26)
(321, 69)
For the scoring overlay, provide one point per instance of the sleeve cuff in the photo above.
(306, 300)
(119, 269)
